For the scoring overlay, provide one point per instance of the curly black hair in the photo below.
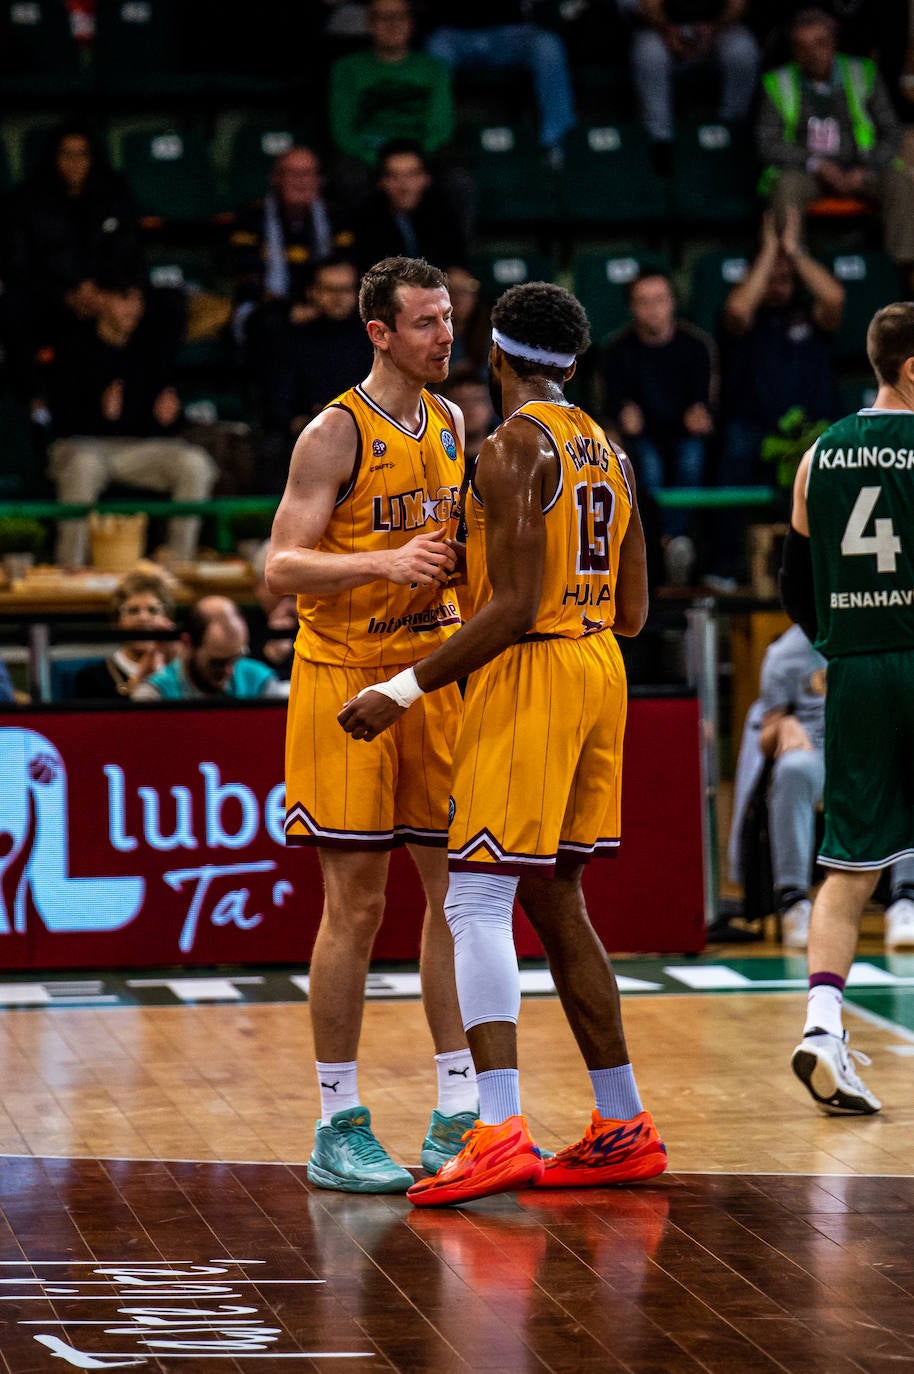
(378, 299)
(544, 315)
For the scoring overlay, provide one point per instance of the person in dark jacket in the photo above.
(407, 216)
(58, 228)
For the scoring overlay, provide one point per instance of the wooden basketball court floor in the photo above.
(155, 1212)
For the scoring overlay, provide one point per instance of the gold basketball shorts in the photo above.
(365, 794)
(538, 759)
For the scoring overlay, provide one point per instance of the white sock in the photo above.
(339, 1088)
(823, 1010)
(499, 1095)
(457, 1090)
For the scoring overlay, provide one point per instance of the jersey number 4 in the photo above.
(884, 543)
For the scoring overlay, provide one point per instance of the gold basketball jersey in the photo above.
(402, 483)
(585, 523)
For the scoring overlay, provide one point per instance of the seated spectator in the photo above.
(470, 320)
(470, 393)
(325, 354)
(499, 34)
(276, 242)
(58, 228)
(660, 384)
(213, 660)
(114, 411)
(790, 738)
(389, 92)
(678, 35)
(776, 333)
(826, 127)
(407, 215)
(142, 600)
(867, 28)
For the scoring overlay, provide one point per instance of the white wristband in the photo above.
(402, 689)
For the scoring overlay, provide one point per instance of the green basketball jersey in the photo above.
(860, 498)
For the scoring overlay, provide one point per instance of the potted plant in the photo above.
(21, 540)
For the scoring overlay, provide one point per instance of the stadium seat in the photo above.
(37, 47)
(135, 40)
(870, 280)
(714, 173)
(713, 276)
(607, 176)
(499, 269)
(512, 178)
(168, 169)
(245, 149)
(22, 469)
(601, 277)
(856, 391)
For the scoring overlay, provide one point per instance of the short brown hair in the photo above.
(378, 299)
(141, 581)
(890, 340)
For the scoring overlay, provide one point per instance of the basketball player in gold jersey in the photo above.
(361, 536)
(556, 569)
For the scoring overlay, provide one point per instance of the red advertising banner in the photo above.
(147, 837)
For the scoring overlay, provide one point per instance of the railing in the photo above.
(222, 509)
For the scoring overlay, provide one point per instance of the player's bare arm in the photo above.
(322, 464)
(631, 580)
(515, 465)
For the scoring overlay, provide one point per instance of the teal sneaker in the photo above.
(349, 1157)
(444, 1136)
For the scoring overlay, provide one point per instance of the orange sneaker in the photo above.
(610, 1152)
(494, 1159)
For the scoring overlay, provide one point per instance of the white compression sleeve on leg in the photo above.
(479, 908)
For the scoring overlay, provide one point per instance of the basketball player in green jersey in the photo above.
(848, 579)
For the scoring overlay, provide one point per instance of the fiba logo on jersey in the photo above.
(449, 444)
(34, 852)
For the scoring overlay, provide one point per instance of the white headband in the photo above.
(533, 355)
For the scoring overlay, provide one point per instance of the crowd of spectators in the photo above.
(93, 349)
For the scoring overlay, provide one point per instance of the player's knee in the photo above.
(199, 469)
(475, 899)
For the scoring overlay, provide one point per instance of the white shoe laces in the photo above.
(861, 1058)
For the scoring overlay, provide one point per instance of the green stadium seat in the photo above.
(247, 149)
(601, 278)
(713, 276)
(607, 176)
(870, 280)
(714, 173)
(134, 40)
(857, 391)
(37, 47)
(512, 178)
(22, 469)
(497, 269)
(169, 171)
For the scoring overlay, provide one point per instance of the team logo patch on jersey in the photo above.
(449, 444)
(451, 809)
(378, 448)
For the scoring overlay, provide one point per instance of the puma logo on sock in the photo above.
(331, 1087)
(458, 1073)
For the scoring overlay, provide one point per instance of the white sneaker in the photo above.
(795, 924)
(822, 1062)
(899, 924)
